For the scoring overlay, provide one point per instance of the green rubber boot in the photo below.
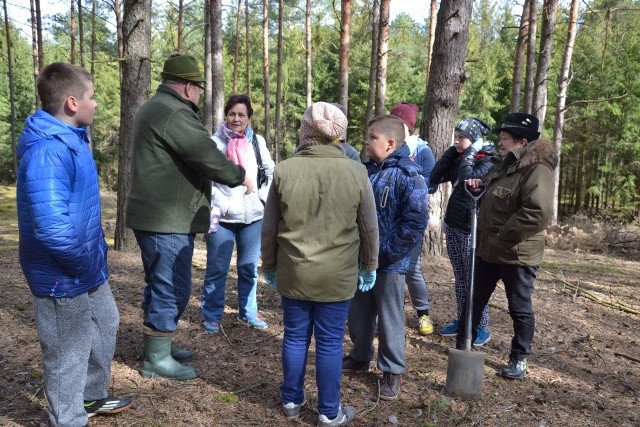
(159, 363)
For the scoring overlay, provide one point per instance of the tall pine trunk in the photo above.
(446, 78)
(136, 82)
(265, 72)
(12, 104)
(278, 148)
(247, 48)
(308, 82)
(217, 75)
(432, 35)
(180, 26)
(531, 58)
(34, 50)
(383, 57)
(345, 45)
(373, 65)
(549, 12)
(236, 55)
(563, 85)
(518, 60)
(72, 32)
(207, 111)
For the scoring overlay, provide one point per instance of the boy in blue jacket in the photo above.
(63, 253)
(401, 203)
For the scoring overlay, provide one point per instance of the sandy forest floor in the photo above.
(585, 371)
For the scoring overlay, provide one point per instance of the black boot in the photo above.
(515, 370)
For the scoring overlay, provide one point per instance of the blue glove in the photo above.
(366, 280)
(270, 278)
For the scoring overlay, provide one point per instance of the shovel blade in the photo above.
(465, 372)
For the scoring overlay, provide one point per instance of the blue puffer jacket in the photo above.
(402, 204)
(62, 248)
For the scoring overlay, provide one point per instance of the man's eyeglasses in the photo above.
(200, 88)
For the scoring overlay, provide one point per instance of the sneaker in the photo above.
(292, 410)
(351, 365)
(483, 336)
(345, 415)
(390, 386)
(425, 325)
(107, 406)
(451, 330)
(256, 322)
(211, 327)
(515, 370)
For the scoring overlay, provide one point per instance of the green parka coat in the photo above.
(517, 206)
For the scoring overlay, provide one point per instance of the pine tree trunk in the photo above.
(93, 37)
(446, 78)
(39, 36)
(80, 34)
(432, 35)
(72, 32)
(549, 12)
(12, 104)
(265, 72)
(518, 61)
(208, 69)
(180, 26)
(531, 58)
(136, 82)
(383, 56)
(117, 10)
(373, 66)
(345, 45)
(34, 50)
(217, 75)
(278, 147)
(236, 54)
(247, 43)
(563, 84)
(307, 47)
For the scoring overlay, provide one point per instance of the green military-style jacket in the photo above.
(517, 206)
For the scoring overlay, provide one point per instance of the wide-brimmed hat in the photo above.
(323, 121)
(521, 125)
(182, 67)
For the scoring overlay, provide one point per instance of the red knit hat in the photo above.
(407, 112)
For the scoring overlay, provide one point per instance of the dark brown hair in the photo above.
(58, 81)
(238, 99)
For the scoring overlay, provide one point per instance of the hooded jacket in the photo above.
(401, 196)
(63, 252)
(456, 167)
(517, 206)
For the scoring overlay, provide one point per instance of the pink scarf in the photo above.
(240, 151)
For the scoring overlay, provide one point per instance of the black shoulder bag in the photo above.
(262, 178)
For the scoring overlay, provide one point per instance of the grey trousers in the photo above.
(385, 302)
(78, 338)
(416, 284)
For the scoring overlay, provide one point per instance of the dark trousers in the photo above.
(518, 285)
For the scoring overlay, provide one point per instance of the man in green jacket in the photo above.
(514, 214)
(174, 162)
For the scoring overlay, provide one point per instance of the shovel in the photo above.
(465, 368)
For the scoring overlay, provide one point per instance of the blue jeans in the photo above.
(219, 252)
(327, 321)
(167, 271)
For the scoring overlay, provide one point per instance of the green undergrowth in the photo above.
(8, 219)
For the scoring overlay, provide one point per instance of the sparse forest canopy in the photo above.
(600, 164)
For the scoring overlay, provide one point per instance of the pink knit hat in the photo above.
(407, 112)
(322, 121)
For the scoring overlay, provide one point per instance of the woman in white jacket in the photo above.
(241, 210)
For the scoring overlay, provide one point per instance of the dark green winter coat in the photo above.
(517, 206)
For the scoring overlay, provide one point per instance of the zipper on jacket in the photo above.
(385, 196)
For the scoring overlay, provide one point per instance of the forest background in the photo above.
(599, 136)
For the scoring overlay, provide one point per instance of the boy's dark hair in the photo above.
(58, 81)
(391, 126)
(238, 99)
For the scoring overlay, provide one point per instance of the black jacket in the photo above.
(455, 167)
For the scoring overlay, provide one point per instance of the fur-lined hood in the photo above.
(536, 152)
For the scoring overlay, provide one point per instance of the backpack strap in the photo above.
(256, 150)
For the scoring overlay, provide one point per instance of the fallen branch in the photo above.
(576, 290)
(626, 356)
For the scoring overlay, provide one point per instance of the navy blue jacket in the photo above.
(456, 167)
(401, 202)
(63, 252)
